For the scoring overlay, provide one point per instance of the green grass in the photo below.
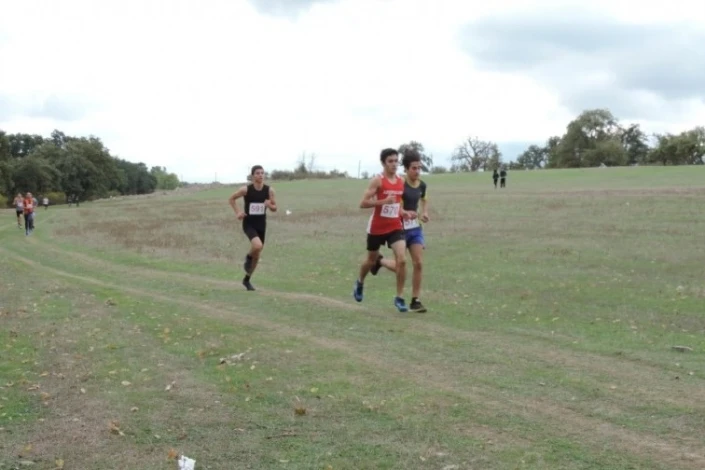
(553, 309)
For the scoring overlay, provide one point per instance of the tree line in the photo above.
(81, 168)
(595, 138)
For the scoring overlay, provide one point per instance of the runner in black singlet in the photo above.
(258, 197)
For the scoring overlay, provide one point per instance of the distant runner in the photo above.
(414, 196)
(385, 227)
(29, 204)
(19, 208)
(45, 202)
(258, 197)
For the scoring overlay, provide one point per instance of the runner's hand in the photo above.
(389, 200)
(241, 216)
(425, 218)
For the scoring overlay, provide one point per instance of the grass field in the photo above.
(554, 307)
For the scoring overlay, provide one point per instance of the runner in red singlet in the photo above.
(384, 194)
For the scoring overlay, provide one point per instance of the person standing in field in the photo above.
(257, 197)
(413, 199)
(45, 202)
(383, 194)
(19, 208)
(503, 178)
(495, 177)
(29, 204)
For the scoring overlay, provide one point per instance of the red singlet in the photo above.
(386, 218)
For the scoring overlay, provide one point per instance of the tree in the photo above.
(635, 144)
(585, 142)
(87, 169)
(306, 164)
(686, 148)
(33, 174)
(80, 166)
(134, 178)
(533, 157)
(59, 139)
(552, 152)
(4, 146)
(165, 180)
(22, 145)
(418, 148)
(474, 154)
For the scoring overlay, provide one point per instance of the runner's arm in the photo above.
(424, 202)
(237, 195)
(369, 194)
(271, 202)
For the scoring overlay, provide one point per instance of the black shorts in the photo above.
(254, 231)
(19, 213)
(375, 242)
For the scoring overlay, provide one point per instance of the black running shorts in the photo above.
(375, 242)
(254, 231)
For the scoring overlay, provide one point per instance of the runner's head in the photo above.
(390, 161)
(257, 174)
(412, 164)
(29, 195)
(19, 195)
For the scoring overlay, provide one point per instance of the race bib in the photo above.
(256, 208)
(390, 211)
(411, 223)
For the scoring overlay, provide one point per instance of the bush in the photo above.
(299, 174)
(55, 198)
(4, 202)
(437, 170)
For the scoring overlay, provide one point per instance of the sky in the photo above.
(209, 89)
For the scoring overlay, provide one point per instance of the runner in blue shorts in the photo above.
(414, 198)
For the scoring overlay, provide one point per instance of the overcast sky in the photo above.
(219, 85)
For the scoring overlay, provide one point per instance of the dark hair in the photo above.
(410, 156)
(387, 153)
(255, 168)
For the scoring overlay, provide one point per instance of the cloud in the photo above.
(62, 109)
(286, 8)
(217, 86)
(590, 59)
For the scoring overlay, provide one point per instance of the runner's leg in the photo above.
(374, 242)
(398, 245)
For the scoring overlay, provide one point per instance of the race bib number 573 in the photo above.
(390, 210)
(256, 208)
(411, 224)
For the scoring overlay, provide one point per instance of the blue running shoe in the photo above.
(357, 292)
(400, 304)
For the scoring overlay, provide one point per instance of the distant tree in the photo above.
(533, 157)
(21, 145)
(165, 180)
(635, 143)
(686, 148)
(591, 139)
(475, 154)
